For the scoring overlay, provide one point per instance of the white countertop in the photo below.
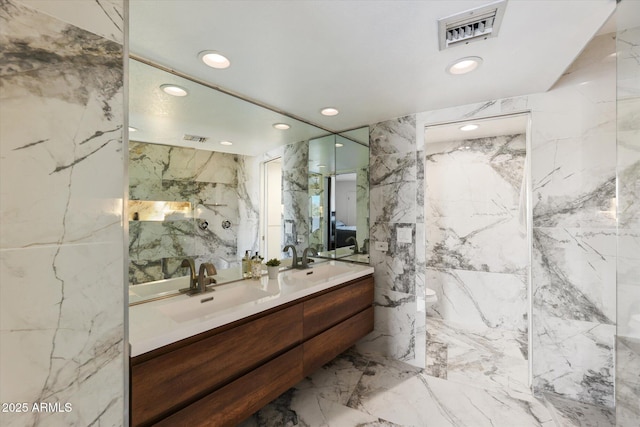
(150, 328)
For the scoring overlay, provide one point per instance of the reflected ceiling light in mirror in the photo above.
(281, 126)
(214, 59)
(464, 65)
(469, 127)
(329, 111)
(174, 90)
(322, 166)
(339, 144)
(132, 129)
(226, 143)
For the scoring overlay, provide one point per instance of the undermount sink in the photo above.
(321, 272)
(202, 305)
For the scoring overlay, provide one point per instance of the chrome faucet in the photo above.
(355, 244)
(305, 257)
(294, 260)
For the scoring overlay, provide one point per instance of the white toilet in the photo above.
(430, 297)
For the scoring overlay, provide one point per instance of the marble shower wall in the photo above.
(209, 181)
(393, 206)
(628, 266)
(573, 142)
(62, 332)
(574, 229)
(477, 251)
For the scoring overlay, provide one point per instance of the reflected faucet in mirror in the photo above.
(355, 244)
(198, 284)
(305, 257)
(294, 258)
(365, 247)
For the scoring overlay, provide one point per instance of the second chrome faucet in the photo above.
(304, 262)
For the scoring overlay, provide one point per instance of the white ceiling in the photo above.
(373, 60)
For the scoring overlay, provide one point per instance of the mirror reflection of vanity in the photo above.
(192, 197)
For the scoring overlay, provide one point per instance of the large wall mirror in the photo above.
(339, 195)
(191, 194)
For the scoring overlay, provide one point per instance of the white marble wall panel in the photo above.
(362, 205)
(62, 168)
(573, 359)
(627, 381)
(479, 300)
(571, 190)
(628, 169)
(213, 166)
(472, 204)
(295, 195)
(394, 328)
(575, 271)
(103, 17)
(392, 192)
(628, 50)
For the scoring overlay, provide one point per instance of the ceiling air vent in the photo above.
(195, 138)
(471, 25)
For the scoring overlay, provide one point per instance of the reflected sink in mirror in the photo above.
(320, 273)
(199, 306)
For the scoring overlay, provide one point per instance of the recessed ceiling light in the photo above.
(214, 59)
(174, 90)
(132, 129)
(464, 65)
(329, 111)
(467, 128)
(226, 143)
(281, 126)
(339, 144)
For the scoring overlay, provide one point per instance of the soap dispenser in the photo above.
(246, 265)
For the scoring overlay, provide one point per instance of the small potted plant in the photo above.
(273, 268)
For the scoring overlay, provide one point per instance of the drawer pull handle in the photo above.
(203, 300)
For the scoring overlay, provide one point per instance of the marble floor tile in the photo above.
(372, 390)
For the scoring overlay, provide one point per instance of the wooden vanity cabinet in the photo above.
(222, 376)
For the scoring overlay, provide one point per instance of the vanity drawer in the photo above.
(326, 346)
(234, 402)
(327, 310)
(170, 381)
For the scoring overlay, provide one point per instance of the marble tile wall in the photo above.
(362, 205)
(393, 206)
(574, 229)
(477, 256)
(628, 266)
(295, 195)
(62, 166)
(573, 169)
(209, 181)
